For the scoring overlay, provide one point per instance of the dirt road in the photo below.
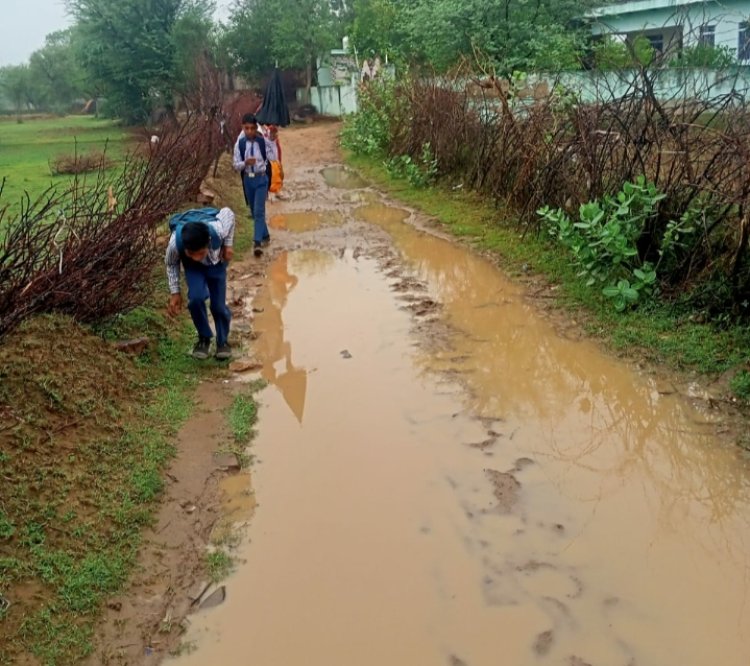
(442, 478)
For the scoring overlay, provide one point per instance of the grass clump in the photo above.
(219, 565)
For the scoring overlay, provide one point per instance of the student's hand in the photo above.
(250, 161)
(227, 254)
(175, 305)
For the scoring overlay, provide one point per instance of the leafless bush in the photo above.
(89, 250)
(79, 163)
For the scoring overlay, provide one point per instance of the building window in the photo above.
(707, 36)
(743, 46)
(657, 42)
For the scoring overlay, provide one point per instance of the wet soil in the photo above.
(443, 478)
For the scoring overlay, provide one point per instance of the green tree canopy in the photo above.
(127, 48)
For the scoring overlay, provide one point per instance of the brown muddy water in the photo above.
(442, 479)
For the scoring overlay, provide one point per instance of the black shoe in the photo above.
(266, 240)
(223, 352)
(258, 251)
(201, 349)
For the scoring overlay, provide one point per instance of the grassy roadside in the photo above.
(662, 333)
(86, 435)
(88, 440)
(26, 150)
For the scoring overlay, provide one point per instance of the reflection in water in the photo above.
(378, 540)
(272, 346)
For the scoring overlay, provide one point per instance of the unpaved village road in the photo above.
(443, 479)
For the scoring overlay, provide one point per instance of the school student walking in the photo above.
(251, 160)
(202, 242)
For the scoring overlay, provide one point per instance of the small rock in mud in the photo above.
(258, 310)
(543, 642)
(112, 605)
(216, 598)
(505, 488)
(345, 354)
(245, 365)
(227, 461)
(135, 347)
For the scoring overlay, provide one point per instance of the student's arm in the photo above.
(238, 161)
(172, 261)
(226, 224)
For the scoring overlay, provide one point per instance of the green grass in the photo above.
(659, 333)
(80, 543)
(219, 565)
(242, 417)
(27, 148)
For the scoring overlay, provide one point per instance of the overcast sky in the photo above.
(24, 24)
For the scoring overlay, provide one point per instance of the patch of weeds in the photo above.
(185, 648)
(54, 636)
(7, 530)
(243, 415)
(219, 565)
(740, 385)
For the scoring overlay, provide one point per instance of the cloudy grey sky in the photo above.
(24, 24)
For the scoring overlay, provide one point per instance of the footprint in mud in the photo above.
(422, 307)
(546, 580)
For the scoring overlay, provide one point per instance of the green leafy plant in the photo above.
(604, 241)
(368, 132)
(420, 173)
(703, 55)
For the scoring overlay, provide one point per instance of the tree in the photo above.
(127, 48)
(513, 34)
(56, 79)
(194, 37)
(291, 32)
(16, 83)
(377, 28)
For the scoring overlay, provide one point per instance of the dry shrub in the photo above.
(72, 251)
(77, 164)
(527, 150)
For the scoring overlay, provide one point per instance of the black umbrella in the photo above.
(274, 110)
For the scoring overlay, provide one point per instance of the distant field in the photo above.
(27, 148)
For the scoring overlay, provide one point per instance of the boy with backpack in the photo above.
(251, 160)
(202, 241)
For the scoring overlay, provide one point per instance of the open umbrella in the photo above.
(274, 110)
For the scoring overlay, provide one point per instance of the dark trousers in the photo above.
(208, 282)
(256, 192)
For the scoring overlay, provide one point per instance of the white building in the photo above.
(674, 24)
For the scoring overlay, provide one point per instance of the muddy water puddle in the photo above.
(474, 490)
(300, 222)
(343, 178)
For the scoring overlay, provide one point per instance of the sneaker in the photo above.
(223, 352)
(266, 240)
(201, 349)
(258, 251)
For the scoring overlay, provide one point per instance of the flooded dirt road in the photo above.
(441, 478)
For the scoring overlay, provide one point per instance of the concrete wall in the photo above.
(650, 16)
(670, 84)
(333, 100)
